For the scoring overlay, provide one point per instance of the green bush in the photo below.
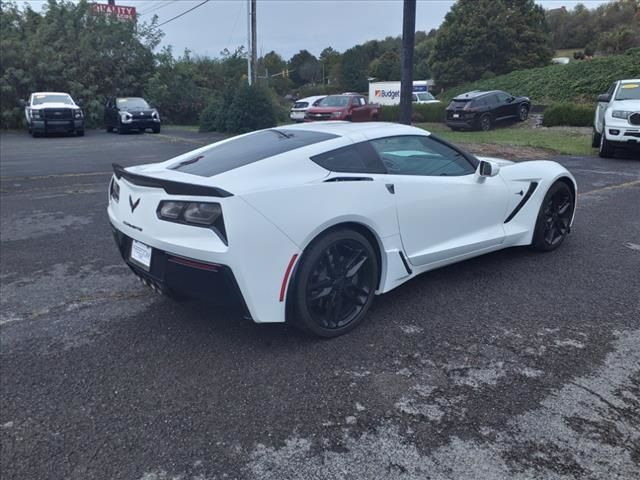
(568, 114)
(578, 82)
(252, 108)
(429, 112)
(209, 117)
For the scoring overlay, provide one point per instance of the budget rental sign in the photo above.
(120, 11)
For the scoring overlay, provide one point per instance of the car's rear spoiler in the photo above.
(169, 186)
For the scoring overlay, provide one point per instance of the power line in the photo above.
(183, 13)
(157, 7)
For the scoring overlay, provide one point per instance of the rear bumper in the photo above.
(174, 274)
(460, 123)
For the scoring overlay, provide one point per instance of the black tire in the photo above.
(121, 130)
(485, 123)
(606, 150)
(348, 118)
(523, 113)
(595, 138)
(554, 218)
(80, 133)
(109, 129)
(35, 134)
(344, 268)
(156, 129)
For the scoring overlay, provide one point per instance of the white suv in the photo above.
(617, 120)
(301, 106)
(48, 112)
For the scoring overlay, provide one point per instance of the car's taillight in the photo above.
(114, 190)
(469, 108)
(197, 214)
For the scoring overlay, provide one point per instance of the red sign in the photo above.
(122, 12)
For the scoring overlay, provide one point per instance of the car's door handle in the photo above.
(391, 188)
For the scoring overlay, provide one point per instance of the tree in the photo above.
(354, 69)
(387, 67)
(495, 36)
(305, 68)
(330, 61)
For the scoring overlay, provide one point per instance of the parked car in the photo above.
(125, 114)
(307, 223)
(352, 107)
(424, 98)
(301, 106)
(617, 119)
(53, 112)
(481, 110)
(388, 93)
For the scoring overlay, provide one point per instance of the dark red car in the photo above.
(348, 106)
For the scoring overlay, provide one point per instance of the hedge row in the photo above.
(429, 112)
(579, 82)
(568, 114)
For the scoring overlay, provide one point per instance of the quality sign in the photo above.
(120, 11)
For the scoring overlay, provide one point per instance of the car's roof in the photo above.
(50, 93)
(310, 99)
(475, 94)
(633, 80)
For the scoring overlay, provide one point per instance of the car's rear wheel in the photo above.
(595, 138)
(523, 113)
(334, 284)
(554, 218)
(156, 129)
(109, 129)
(485, 123)
(80, 133)
(606, 149)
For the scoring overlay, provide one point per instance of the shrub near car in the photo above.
(301, 106)
(53, 112)
(307, 223)
(125, 114)
(482, 110)
(348, 106)
(617, 119)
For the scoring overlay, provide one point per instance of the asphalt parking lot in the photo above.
(515, 365)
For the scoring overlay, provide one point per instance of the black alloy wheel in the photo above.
(523, 113)
(485, 123)
(554, 218)
(335, 283)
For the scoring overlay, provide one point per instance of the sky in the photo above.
(287, 26)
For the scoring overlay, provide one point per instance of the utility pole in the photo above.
(254, 43)
(249, 49)
(408, 40)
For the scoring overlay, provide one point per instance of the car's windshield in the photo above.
(335, 101)
(39, 99)
(132, 102)
(628, 91)
(424, 96)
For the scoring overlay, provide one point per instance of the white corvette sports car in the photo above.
(306, 223)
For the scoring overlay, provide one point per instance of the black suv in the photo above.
(130, 113)
(480, 110)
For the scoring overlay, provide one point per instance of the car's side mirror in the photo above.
(80, 103)
(604, 98)
(22, 103)
(510, 99)
(488, 169)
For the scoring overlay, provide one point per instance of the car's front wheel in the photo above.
(606, 149)
(523, 113)
(334, 284)
(595, 138)
(554, 218)
(485, 123)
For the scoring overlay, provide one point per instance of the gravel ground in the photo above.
(515, 365)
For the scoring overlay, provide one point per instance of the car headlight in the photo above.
(336, 114)
(77, 113)
(126, 117)
(198, 214)
(34, 113)
(155, 115)
(624, 114)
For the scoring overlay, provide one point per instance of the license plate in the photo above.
(456, 115)
(141, 254)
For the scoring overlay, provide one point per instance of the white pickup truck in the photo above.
(49, 112)
(617, 119)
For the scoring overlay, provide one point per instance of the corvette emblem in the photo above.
(133, 204)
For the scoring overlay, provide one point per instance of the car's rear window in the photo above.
(455, 103)
(301, 105)
(250, 148)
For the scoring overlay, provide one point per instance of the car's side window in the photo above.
(414, 97)
(612, 88)
(501, 97)
(420, 155)
(357, 158)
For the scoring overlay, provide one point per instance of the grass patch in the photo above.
(564, 142)
(184, 128)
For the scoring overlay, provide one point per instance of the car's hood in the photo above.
(500, 161)
(325, 109)
(53, 105)
(628, 105)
